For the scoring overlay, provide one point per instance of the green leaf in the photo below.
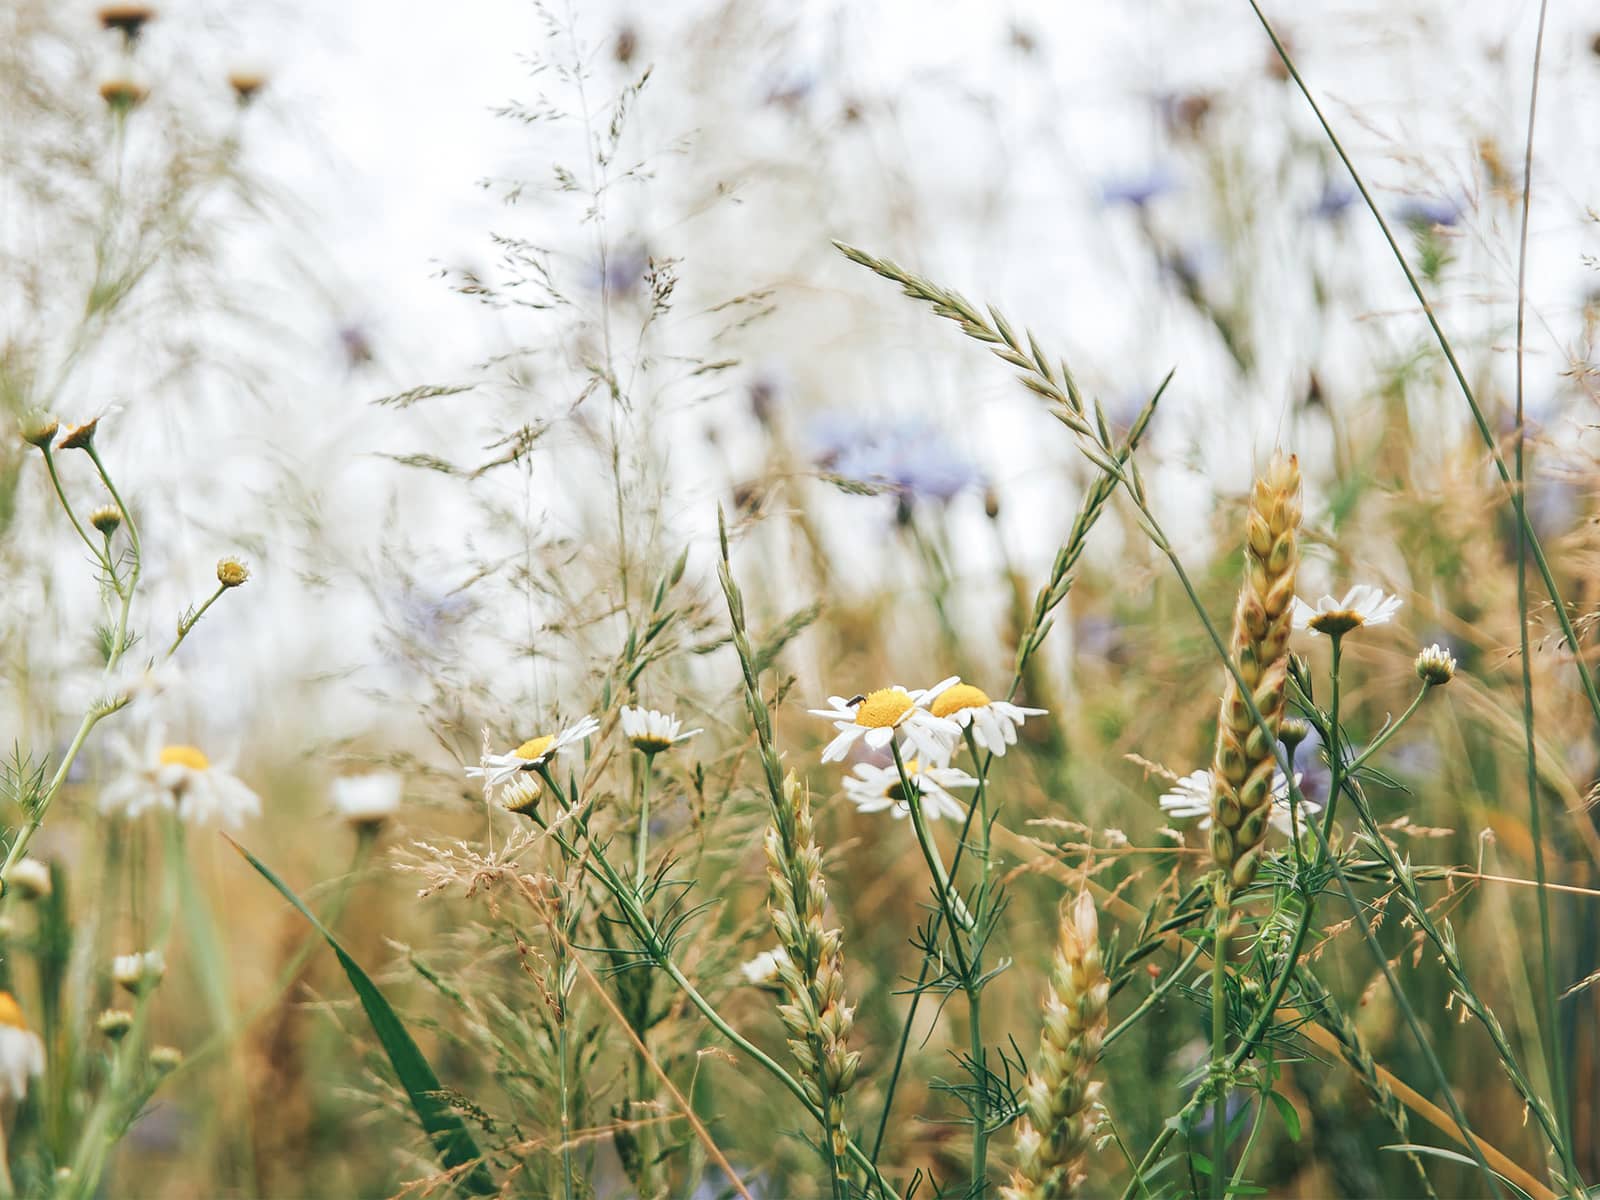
(1451, 1155)
(1291, 1119)
(449, 1135)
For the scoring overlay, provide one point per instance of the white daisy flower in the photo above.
(874, 718)
(873, 789)
(650, 731)
(762, 970)
(1191, 797)
(179, 778)
(139, 972)
(994, 722)
(1362, 605)
(21, 1051)
(535, 752)
(367, 801)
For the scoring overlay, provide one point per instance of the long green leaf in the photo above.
(450, 1136)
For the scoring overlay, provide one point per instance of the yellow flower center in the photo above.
(184, 756)
(534, 748)
(1339, 621)
(11, 1012)
(882, 708)
(954, 699)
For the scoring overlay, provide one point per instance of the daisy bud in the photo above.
(106, 518)
(521, 794)
(122, 95)
(115, 1023)
(166, 1059)
(1292, 732)
(31, 878)
(139, 973)
(80, 437)
(232, 573)
(246, 84)
(39, 429)
(127, 19)
(1435, 666)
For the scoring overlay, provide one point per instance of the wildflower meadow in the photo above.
(745, 600)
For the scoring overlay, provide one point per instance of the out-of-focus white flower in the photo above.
(875, 717)
(650, 731)
(21, 1050)
(994, 722)
(31, 878)
(1362, 605)
(1191, 797)
(367, 801)
(535, 752)
(180, 778)
(139, 972)
(762, 970)
(873, 789)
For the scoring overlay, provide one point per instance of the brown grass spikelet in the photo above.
(1242, 771)
(1057, 1126)
(814, 1012)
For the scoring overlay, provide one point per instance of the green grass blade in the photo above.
(447, 1131)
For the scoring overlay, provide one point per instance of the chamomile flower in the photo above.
(650, 731)
(1191, 797)
(21, 1050)
(994, 722)
(535, 752)
(873, 789)
(1362, 605)
(367, 801)
(139, 972)
(180, 778)
(762, 970)
(875, 717)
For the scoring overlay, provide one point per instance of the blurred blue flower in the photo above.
(1554, 506)
(1423, 212)
(1139, 190)
(1333, 200)
(623, 272)
(912, 458)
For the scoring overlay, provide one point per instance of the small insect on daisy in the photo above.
(875, 717)
(994, 722)
(180, 778)
(873, 789)
(532, 754)
(1362, 605)
(650, 731)
(1191, 797)
(21, 1050)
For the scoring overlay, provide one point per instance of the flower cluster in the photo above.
(922, 727)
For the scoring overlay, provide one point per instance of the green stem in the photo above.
(641, 840)
(974, 988)
(1331, 742)
(949, 903)
(1550, 1019)
(61, 495)
(193, 619)
(1382, 740)
(1167, 983)
(1219, 1046)
(1249, 1145)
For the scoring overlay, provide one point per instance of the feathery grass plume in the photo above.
(1241, 796)
(814, 1011)
(1056, 1129)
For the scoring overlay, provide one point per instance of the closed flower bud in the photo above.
(31, 878)
(39, 429)
(106, 518)
(232, 573)
(1435, 666)
(80, 437)
(115, 1023)
(166, 1059)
